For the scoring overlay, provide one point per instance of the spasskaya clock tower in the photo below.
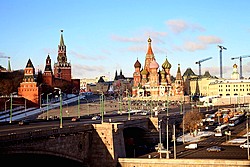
(62, 69)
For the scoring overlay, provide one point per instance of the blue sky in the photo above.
(103, 36)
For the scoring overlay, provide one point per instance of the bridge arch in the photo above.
(135, 143)
(28, 157)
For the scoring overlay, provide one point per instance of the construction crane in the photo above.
(240, 57)
(221, 48)
(200, 61)
(9, 68)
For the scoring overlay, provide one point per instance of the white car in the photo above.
(191, 146)
(97, 117)
(245, 145)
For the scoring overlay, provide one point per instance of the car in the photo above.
(97, 117)
(214, 149)
(191, 146)
(75, 119)
(245, 145)
(23, 122)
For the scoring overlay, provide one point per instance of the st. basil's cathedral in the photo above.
(150, 81)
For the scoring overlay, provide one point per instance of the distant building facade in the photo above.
(208, 85)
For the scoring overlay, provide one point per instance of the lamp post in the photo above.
(102, 105)
(183, 123)
(11, 101)
(41, 100)
(78, 106)
(25, 108)
(129, 104)
(167, 155)
(5, 107)
(60, 94)
(48, 105)
(248, 157)
(160, 143)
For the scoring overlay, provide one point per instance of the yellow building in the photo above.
(230, 91)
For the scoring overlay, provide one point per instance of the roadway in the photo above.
(228, 151)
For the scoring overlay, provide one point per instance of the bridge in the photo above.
(84, 143)
(100, 144)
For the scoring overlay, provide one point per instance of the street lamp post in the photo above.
(25, 108)
(78, 106)
(10, 107)
(167, 155)
(60, 94)
(174, 141)
(102, 105)
(129, 106)
(160, 143)
(248, 157)
(48, 105)
(11, 101)
(5, 107)
(61, 109)
(41, 100)
(183, 123)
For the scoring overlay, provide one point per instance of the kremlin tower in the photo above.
(62, 69)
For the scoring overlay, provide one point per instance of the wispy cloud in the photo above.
(177, 26)
(127, 39)
(141, 38)
(201, 43)
(80, 71)
(193, 46)
(86, 57)
(209, 39)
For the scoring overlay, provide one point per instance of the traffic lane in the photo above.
(228, 152)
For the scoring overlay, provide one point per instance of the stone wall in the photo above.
(107, 145)
(132, 162)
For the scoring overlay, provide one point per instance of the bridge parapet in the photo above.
(148, 124)
(42, 133)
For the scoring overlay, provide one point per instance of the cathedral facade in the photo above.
(152, 81)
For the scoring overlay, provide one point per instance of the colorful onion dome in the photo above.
(166, 64)
(154, 65)
(144, 72)
(235, 66)
(137, 64)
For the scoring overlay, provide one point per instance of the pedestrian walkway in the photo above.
(194, 138)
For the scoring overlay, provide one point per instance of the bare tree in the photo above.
(191, 120)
